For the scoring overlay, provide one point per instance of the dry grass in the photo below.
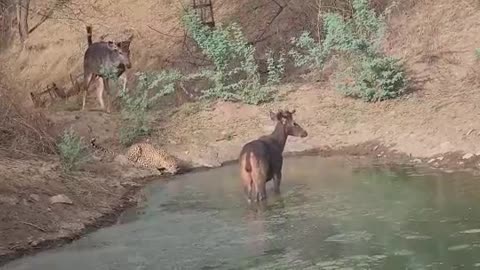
(7, 22)
(23, 131)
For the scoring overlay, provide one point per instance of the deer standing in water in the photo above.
(104, 56)
(261, 160)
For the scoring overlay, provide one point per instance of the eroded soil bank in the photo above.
(203, 136)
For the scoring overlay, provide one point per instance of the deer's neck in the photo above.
(279, 135)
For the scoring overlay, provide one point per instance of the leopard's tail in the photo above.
(98, 147)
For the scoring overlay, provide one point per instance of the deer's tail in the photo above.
(89, 35)
(248, 164)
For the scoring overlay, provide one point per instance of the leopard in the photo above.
(147, 156)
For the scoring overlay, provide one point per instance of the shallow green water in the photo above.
(330, 215)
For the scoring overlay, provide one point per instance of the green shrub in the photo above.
(135, 106)
(275, 68)
(375, 79)
(370, 74)
(235, 74)
(477, 53)
(307, 52)
(72, 151)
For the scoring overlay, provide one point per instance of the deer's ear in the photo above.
(112, 45)
(273, 116)
(124, 44)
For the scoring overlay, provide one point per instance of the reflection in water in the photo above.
(330, 215)
(255, 221)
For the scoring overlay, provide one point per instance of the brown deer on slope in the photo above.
(261, 160)
(104, 56)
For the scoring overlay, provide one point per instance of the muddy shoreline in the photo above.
(370, 152)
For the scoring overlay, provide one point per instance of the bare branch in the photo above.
(279, 11)
(164, 34)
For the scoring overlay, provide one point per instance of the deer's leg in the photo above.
(99, 91)
(246, 175)
(87, 81)
(261, 191)
(247, 189)
(259, 180)
(259, 177)
(250, 190)
(106, 87)
(123, 78)
(247, 179)
(277, 178)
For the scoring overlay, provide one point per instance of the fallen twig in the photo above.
(34, 226)
(164, 34)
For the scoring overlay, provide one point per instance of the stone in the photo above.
(417, 160)
(10, 200)
(431, 161)
(61, 198)
(34, 197)
(71, 226)
(440, 158)
(468, 156)
(210, 163)
(130, 184)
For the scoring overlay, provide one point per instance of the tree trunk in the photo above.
(22, 18)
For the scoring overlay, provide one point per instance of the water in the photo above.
(331, 215)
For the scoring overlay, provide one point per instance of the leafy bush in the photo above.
(150, 87)
(235, 73)
(307, 52)
(376, 79)
(370, 74)
(135, 105)
(275, 68)
(72, 151)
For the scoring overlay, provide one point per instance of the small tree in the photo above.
(234, 75)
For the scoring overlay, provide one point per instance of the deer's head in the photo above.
(290, 127)
(122, 49)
